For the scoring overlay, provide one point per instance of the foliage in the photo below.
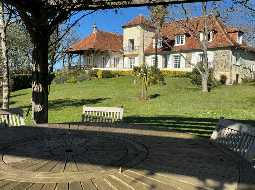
(147, 76)
(19, 47)
(196, 77)
(100, 74)
(158, 14)
(176, 74)
(21, 82)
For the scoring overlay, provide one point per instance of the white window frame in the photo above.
(175, 64)
(160, 43)
(116, 61)
(131, 44)
(181, 41)
(104, 61)
(209, 37)
(131, 61)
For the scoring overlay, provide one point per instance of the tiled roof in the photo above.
(139, 20)
(99, 40)
(191, 29)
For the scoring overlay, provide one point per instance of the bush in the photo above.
(177, 74)
(196, 78)
(92, 73)
(19, 82)
(99, 74)
(223, 79)
(123, 73)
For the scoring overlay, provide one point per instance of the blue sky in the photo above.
(109, 20)
(112, 20)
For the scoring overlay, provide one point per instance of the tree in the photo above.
(158, 15)
(146, 77)
(41, 19)
(19, 49)
(192, 28)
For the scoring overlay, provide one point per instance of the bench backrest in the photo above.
(12, 117)
(102, 114)
(238, 137)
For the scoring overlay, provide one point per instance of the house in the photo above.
(100, 50)
(179, 47)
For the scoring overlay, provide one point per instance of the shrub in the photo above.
(20, 82)
(109, 74)
(196, 78)
(99, 74)
(147, 76)
(223, 79)
(178, 74)
(92, 73)
(123, 73)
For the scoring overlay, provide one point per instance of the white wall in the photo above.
(195, 57)
(98, 60)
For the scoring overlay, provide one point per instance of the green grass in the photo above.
(178, 105)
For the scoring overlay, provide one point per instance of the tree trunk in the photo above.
(205, 65)
(40, 78)
(205, 84)
(156, 47)
(5, 66)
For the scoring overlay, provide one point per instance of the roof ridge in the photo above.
(223, 28)
(117, 34)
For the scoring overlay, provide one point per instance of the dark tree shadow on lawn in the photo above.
(17, 95)
(154, 96)
(202, 127)
(197, 126)
(62, 103)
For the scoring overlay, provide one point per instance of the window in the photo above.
(165, 61)
(177, 61)
(153, 60)
(89, 60)
(160, 43)
(200, 58)
(209, 37)
(116, 61)
(104, 62)
(132, 62)
(131, 44)
(180, 40)
(240, 38)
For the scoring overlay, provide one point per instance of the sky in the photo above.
(113, 20)
(109, 20)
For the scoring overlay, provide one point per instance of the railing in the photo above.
(130, 49)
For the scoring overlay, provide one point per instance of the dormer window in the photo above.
(160, 43)
(209, 37)
(240, 38)
(179, 40)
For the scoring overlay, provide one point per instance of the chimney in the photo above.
(94, 28)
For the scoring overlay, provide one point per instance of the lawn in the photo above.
(178, 105)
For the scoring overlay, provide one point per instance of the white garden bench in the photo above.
(102, 114)
(12, 117)
(237, 137)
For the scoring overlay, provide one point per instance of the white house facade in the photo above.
(178, 48)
